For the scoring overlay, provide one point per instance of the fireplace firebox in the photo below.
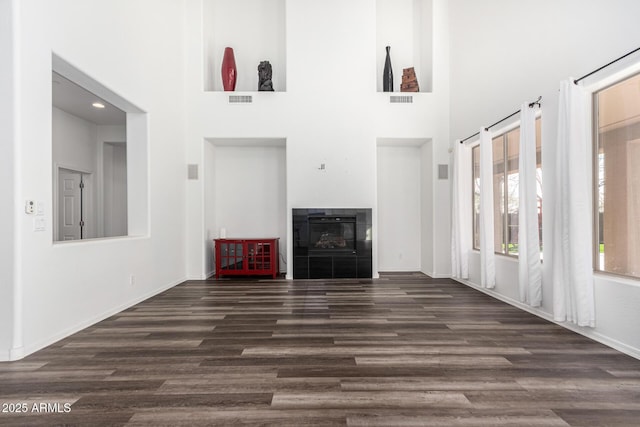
(332, 243)
(332, 234)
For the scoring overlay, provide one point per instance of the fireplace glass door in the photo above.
(331, 234)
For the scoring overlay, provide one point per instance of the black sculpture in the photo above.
(264, 76)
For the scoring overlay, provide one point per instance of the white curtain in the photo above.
(529, 267)
(487, 250)
(461, 224)
(571, 259)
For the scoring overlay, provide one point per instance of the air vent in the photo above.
(240, 99)
(395, 99)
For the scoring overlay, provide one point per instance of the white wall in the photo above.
(441, 205)
(74, 141)
(250, 191)
(76, 284)
(330, 114)
(114, 185)
(517, 54)
(504, 52)
(427, 240)
(111, 151)
(399, 208)
(8, 210)
(210, 221)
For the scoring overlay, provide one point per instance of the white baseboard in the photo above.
(11, 354)
(16, 353)
(39, 345)
(439, 276)
(436, 275)
(587, 332)
(196, 278)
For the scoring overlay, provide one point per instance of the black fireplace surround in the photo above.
(332, 243)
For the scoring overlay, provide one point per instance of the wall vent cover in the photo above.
(240, 99)
(404, 99)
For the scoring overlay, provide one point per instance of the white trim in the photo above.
(16, 353)
(59, 166)
(202, 195)
(39, 345)
(612, 74)
(612, 277)
(71, 72)
(97, 240)
(18, 329)
(586, 332)
(437, 275)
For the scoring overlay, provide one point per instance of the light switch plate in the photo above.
(39, 224)
(192, 171)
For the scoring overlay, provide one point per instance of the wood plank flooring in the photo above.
(401, 350)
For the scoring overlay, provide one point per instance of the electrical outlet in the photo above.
(39, 208)
(29, 207)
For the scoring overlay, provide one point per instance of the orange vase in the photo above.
(229, 72)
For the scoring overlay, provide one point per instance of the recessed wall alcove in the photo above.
(255, 29)
(244, 191)
(406, 26)
(405, 191)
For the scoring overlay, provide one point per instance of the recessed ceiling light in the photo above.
(98, 105)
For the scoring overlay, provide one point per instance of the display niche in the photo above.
(407, 27)
(255, 30)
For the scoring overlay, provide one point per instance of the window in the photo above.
(506, 179)
(617, 178)
(475, 154)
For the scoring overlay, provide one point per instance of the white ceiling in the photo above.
(76, 100)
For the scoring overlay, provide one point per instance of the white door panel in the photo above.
(69, 205)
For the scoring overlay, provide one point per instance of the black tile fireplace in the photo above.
(332, 243)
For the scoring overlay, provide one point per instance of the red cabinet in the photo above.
(247, 257)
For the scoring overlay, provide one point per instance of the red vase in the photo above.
(229, 72)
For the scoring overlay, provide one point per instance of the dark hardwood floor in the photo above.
(401, 350)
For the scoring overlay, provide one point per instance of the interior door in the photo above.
(69, 205)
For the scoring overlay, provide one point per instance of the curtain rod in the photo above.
(606, 65)
(531, 105)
